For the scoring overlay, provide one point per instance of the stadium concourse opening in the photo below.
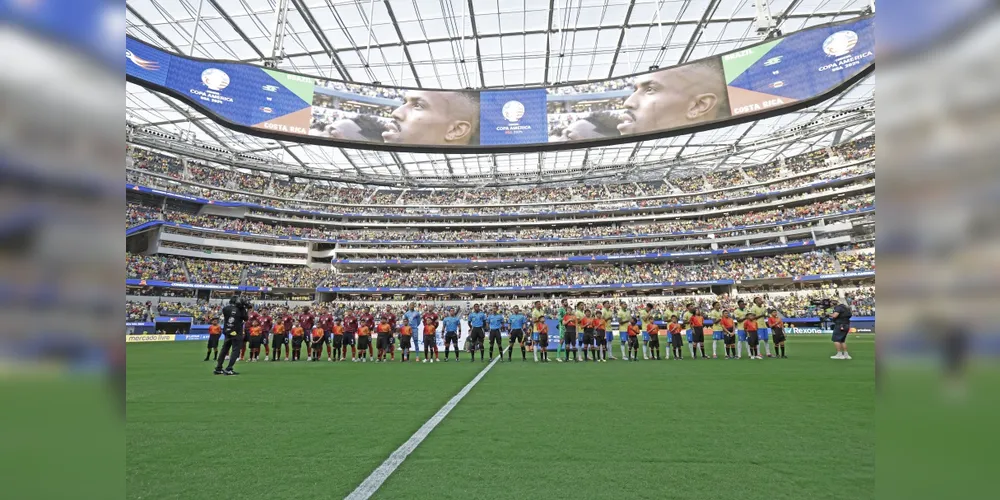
(430, 264)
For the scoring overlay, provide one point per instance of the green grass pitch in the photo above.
(801, 428)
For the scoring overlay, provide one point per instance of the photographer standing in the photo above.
(234, 316)
(841, 317)
(825, 314)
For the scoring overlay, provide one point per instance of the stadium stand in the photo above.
(798, 201)
(154, 267)
(688, 190)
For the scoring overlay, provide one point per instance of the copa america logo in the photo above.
(215, 79)
(140, 62)
(840, 43)
(512, 111)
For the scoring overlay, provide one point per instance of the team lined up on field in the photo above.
(581, 330)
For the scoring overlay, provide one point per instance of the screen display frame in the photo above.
(728, 120)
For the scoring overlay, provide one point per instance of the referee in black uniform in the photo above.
(234, 316)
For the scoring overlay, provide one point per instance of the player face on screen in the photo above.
(676, 97)
(435, 117)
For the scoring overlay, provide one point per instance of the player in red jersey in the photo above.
(350, 333)
(287, 321)
(430, 340)
(390, 318)
(253, 319)
(307, 319)
(267, 323)
(326, 323)
(367, 319)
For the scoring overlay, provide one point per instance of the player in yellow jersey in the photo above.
(759, 310)
(741, 333)
(716, 316)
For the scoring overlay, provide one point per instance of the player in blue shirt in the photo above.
(477, 334)
(413, 319)
(452, 324)
(517, 322)
(495, 320)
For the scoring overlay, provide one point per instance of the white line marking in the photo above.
(374, 481)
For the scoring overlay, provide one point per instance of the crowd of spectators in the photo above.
(808, 304)
(383, 197)
(592, 275)
(158, 267)
(138, 311)
(201, 311)
(779, 266)
(390, 278)
(691, 184)
(365, 90)
(144, 159)
(726, 178)
(722, 224)
(203, 174)
(861, 301)
(287, 276)
(555, 108)
(524, 201)
(764, 171)
(856, 150)
(136, 214)
(807, 161)
(503, 201)
(592, 88)
(214, 271)
(800, 304)
(287, 189)
(856, 261)
(151, 291)
(507, 198)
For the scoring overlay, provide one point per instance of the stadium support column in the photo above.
(197, 24)
(278, 35)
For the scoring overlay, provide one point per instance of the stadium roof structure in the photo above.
(483, 44)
